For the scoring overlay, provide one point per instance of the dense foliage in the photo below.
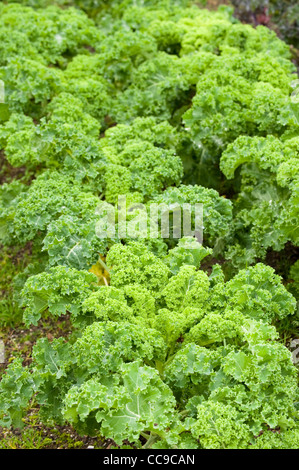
(282, 15)
(166, 103)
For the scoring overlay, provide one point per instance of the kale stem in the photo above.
(104, 265)
(152, 438)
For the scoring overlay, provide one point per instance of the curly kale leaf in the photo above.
(29, 84)
(72, 241)
(59, 290)
(50, 195)
(135, 264)
(50, 35)
(105, 346)
(266, 211)
(137, 400)
(217, 211)
(16, 389)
